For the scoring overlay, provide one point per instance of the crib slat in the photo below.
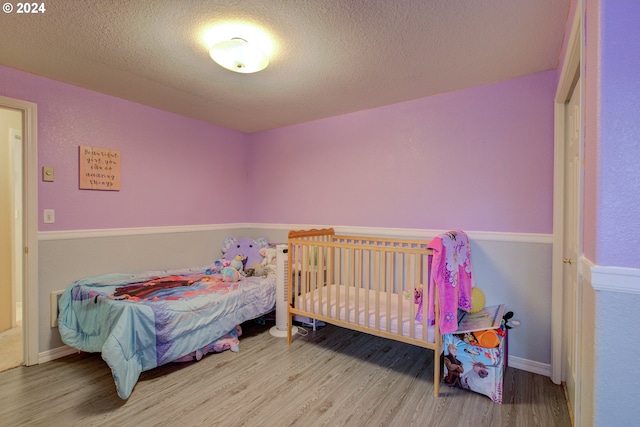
(399, 289)
(338, 281)
(377, 272)
(411, 283)
(320, 275)
(367, 285)
(308, 279)
(357, 283)
(388, 288)
(348, 270)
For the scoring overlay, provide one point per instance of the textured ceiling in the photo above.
(330, 56)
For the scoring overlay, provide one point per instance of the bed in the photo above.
(373, 285)
(144, 320)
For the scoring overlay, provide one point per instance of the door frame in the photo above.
(30, 225)
(571, 68)
(15, 138)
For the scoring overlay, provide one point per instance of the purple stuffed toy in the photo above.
(247, 248)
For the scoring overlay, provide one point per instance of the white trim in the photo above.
(584, 269)
(56, 353)
(364, 231)
(557, 250)
(134, 231)
(29, 112)
(615, 279)
(415, 232)
(529, 365)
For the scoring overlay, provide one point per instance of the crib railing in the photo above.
(381, 275)
(387, 273)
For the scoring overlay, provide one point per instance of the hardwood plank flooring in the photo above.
(331, 377)
(11, 348)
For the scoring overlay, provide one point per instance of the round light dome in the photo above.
(239, 55)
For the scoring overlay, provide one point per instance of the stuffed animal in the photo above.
(508, 320)
(248, 248)
(259, 270)
(269, 255)
(230, 274)
(237, 263)
(269, 261)
(217, 265)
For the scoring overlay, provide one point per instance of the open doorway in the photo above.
(11, 248)
(19, 229)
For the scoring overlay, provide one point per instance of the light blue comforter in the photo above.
(135, 335)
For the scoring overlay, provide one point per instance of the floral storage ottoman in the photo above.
(475, 360)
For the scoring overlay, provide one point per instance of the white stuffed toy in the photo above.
(269, 261)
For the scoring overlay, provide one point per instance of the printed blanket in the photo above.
(144, 320)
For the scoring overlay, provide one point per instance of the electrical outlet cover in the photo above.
(49, 216)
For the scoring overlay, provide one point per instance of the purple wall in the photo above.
(479, 159)
(175, 170)
(612, 132)
(618, 219)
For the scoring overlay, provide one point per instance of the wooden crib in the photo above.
(365, 284)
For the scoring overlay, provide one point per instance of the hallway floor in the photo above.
(11, 348)
(11, 343)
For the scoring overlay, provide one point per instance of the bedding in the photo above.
(143, 320)
(332, 301)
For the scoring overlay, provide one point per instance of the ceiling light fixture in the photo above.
(239, 55)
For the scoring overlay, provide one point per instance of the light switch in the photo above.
(47, 173)
(49, 216)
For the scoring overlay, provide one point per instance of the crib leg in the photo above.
(436, 368)
(289, 328)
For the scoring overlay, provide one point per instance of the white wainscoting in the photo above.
(611, 296)
(511, 268)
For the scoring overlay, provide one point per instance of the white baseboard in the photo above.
(513, 361)
(56, 353)
(529, 366)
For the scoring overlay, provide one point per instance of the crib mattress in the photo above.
(321, 306)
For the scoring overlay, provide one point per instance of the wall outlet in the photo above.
(49, 216)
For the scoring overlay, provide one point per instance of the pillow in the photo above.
(247, 248)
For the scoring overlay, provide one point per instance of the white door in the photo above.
(572, 212)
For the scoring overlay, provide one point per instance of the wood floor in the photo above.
(333, 377)
(11, 348)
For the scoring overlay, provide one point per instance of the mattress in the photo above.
(347, 311)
